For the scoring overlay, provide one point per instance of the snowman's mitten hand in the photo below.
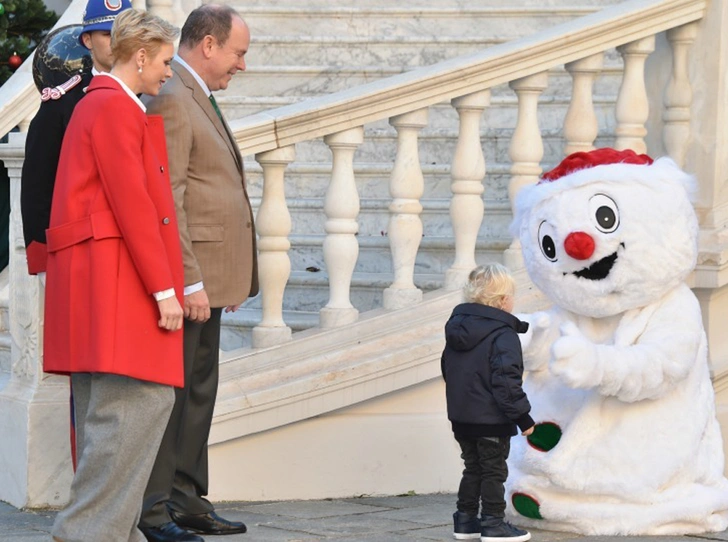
(535, 342)
(574, 359)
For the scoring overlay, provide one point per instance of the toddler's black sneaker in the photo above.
(499, 531)
(466, 527)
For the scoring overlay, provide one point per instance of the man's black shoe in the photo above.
(169, 532)
(209, 523)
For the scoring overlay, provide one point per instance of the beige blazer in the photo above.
(215, 218)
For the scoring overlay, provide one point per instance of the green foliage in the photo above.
(22, 27)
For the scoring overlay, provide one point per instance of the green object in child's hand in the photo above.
(545, 436)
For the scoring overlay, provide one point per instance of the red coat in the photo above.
(112, 242)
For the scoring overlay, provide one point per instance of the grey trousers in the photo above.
(119, 425)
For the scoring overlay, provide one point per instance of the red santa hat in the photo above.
(599, 157)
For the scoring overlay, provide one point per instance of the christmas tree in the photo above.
(23, 24)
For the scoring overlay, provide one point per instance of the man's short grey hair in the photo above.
(208, 20)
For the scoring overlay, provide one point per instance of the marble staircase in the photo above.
(301, 50)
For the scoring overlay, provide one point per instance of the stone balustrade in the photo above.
(468, 168)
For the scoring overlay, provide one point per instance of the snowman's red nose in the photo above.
(579, 245)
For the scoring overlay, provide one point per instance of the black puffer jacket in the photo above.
(483, 369)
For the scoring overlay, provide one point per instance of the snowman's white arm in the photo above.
(543, 330)
(658, 361)
(649, 369)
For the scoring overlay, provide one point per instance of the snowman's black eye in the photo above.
(548, 247)
(605, 213)
(546, 241)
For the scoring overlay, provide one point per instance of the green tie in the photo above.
(215, 107)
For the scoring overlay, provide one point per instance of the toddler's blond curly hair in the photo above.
(489, 285)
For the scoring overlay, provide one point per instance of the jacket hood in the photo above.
(470, 323)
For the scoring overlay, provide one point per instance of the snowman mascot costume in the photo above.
(627, 440)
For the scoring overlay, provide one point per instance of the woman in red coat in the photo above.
(114, 284)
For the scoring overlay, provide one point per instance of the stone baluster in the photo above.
(526, 149)
(467, 172)
(273, 225)
(341, 247)
(678, 94)
(406, 187)
(580, 125)
(632, 104)
(169, 10)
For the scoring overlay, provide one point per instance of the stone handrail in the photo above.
(561, 44)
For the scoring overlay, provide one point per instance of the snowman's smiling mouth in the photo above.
(600, 269)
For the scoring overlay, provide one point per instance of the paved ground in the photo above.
(369, 519)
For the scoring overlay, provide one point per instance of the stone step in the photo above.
(430, 4)
(383, 50)
(403, 52)
(306, 293)
(307, 290)
(313, 80)
(305, 179)
(443, 20)
(498, 120)
(372, 180)
(307, 217)
(435, 254)
(436, 146)
(236, 328)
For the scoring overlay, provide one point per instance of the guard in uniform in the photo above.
(45, 134)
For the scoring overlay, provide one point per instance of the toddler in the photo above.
(482, 366)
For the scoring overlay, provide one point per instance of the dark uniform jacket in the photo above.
(42, 151)
(483, 369)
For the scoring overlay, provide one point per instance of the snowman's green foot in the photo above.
(526, 505)
(545, 436)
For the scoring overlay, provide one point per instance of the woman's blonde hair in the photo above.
(135, 29)
(489, 284)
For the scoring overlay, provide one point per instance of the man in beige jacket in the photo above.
(218, 248)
